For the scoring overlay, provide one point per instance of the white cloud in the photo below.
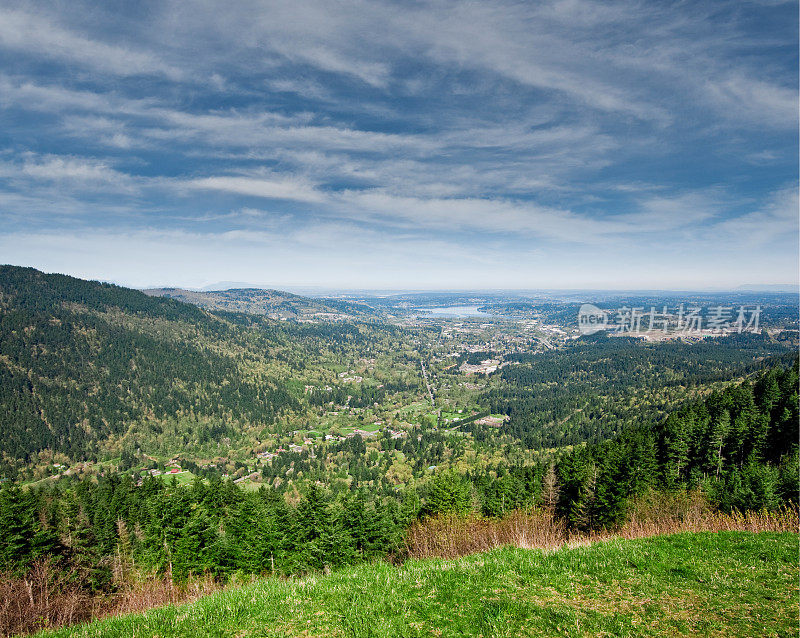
(70, 168)
(270, 188)
(524, 218)
(747, 98)
(773, 224)
(37, 35)
(68, 172)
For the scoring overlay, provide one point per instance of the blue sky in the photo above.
(567, 144)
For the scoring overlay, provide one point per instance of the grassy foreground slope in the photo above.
(730, 583)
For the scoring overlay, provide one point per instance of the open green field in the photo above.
(725, 584)
(184, 477)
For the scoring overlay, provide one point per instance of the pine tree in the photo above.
(583, 511)
(19, 528)
(677, 433)
(550, 488)
(448, 492)
(720, 428)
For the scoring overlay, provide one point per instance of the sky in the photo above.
(424, 145)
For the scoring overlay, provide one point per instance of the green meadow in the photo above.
(706, 584)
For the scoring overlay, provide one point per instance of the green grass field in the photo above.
(726, 584)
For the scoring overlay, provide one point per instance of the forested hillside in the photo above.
(82, 361)
(275, 304)
(740, 445)
(83, 364)
(598, 385)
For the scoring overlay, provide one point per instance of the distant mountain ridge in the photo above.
(226, 285)
(275, 304)
(793, 288)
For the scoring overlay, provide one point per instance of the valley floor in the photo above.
(707, 584)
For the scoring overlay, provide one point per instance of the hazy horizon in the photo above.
(315, 290)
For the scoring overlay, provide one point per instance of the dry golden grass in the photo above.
(42, 598)
(149, 592)
(451, 536)
(47, 598)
